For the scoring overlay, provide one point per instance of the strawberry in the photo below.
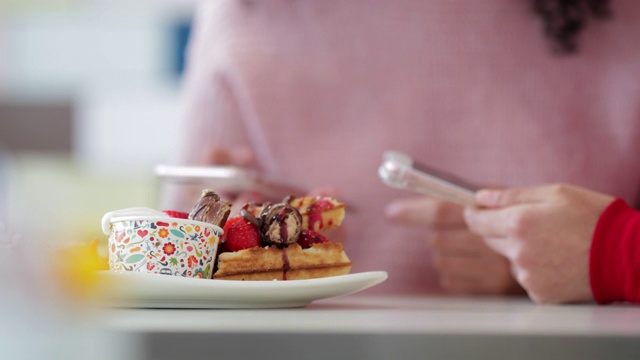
(228, 224)
(314, 214)
(320, 205)
(241, 234)
(176, 214)
(309, 237)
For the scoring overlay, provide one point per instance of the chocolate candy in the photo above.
(211, 209)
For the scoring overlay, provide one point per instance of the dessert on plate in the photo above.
(280, 241)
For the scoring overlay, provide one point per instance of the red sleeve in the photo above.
(614, 266)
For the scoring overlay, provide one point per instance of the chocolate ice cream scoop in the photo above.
(211, 209)
(280, 224)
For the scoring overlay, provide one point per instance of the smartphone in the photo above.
(400, 171)
(229, 179)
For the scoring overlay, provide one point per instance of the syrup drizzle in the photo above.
(285, 263)
(284, 231)
(284, 235)
(315, 216)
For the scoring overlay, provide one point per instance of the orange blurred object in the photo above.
(76, 269)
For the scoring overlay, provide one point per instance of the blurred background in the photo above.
(89, 103)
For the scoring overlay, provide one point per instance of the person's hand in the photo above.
(546, 234)
(464, 264)
(245, 158)
(241, 157)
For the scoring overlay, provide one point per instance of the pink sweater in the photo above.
(319, 89)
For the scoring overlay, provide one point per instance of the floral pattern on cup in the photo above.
(163, 246)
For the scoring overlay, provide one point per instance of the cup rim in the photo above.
(216, 228)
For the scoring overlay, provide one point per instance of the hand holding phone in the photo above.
(400, 171)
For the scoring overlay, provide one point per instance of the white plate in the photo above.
(141, 290)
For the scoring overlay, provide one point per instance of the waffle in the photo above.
(319, 219)
(288, 260)
(290, 263)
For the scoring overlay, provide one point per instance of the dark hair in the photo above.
(564, 19)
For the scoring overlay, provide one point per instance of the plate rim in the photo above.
(234, 293)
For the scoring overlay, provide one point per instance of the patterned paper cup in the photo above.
(146, 240)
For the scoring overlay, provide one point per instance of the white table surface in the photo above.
(376, 327)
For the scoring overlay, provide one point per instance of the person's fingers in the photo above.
(475, 275)
(456, 241)
(503, 246)
(464, 266)
(425, 211)
(494, 198)
(486, 223)
(219, 156)
(513, 221)
(242, 156)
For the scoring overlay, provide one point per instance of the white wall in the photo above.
(112, 59)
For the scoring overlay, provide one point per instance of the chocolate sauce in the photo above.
(285, 264)
(284, 230)
(250, 218)
(280, 224)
